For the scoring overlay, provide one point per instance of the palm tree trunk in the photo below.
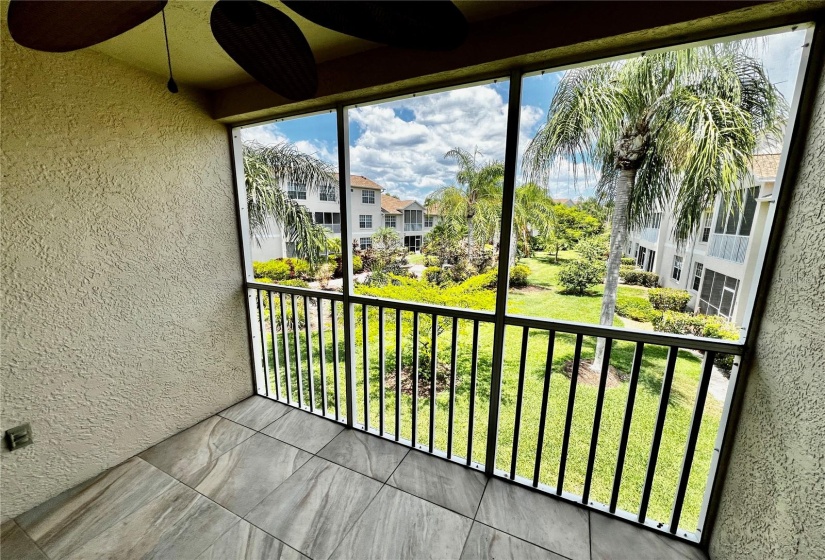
(469, 233)
(618, 237)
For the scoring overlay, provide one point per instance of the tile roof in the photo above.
(363, 183)
(392, 205)
(765, 166)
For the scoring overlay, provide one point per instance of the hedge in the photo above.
(281, 269)
(628, 261)
(669, 299)
(641, 278)
(637, 308)
(710, 326)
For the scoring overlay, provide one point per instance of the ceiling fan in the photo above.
(261, 39)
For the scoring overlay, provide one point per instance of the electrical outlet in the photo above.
(19, 436)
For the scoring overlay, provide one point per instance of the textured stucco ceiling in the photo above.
(198, 60)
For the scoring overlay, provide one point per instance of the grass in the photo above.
(542, 298)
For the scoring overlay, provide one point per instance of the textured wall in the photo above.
(772, 503)
(123, 317)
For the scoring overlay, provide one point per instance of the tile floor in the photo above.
(261, 480)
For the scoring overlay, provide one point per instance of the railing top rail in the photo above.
(309, 292)
(622, 334)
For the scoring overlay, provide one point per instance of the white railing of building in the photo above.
(728, 247)
(650, 234)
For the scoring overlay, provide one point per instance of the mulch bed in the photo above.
(441, 383)
(590, 377)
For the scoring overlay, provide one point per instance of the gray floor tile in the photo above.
(256, 412)
(613, 539)
(246, 542)
(450, 485)
(179, 524)
(16, 544)
(193, 449)
(69, 520)
(541, 520)
(486, 543)
(370, 455)
(400, 526)
(315, 507)
(302, 429)
(244, 475)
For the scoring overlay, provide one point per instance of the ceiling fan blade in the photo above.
(268, 45)
(436, 25)
(68, 25)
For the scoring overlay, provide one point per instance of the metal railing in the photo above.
(413, 361)
(413, 226)
(728, 247)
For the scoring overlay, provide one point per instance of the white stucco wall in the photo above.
(772, 502)
(123, 315)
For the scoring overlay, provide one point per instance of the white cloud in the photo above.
(406, 155)
(265, 134)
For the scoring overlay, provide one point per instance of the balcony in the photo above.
(650, 234)
(413, 226)
(265, 479)
(728, 247)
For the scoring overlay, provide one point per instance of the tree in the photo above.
(673, 129)
(533, 214)
(570, 226)
(476, 200)
(267, 169)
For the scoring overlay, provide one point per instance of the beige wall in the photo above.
(123, 317)
(772, 502)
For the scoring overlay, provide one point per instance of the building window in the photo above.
(365, 221)
(697, 276)
(650, 261)
(365, 243)
(738, 219)
(329, 193)
(428, 220)
(676, 274)
(706, 223)
(640, 256)
(296, 192)
(718, 295)
(367, 197)
(413, 220)
(389, 221)
(331, 220)
(412, 243)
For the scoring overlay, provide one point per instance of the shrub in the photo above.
(518, 275)
(595, 248)
(577, 276)
(628, 261)
(295, 283)
(641, 278)
(434, 275)
(636, 308)
(711, 326)
(623, 270)
(357, 264)
(275, 269)
(324, 275)
(668, 299)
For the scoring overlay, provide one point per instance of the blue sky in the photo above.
(400, 144)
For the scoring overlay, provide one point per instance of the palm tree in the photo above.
(267, 170)
(533, 214)
(670, 129)
(476, 200)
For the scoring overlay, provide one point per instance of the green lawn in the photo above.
(415, 258)
(547, 302)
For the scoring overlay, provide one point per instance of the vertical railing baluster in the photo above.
(322, 356)
(628, 417)
(296, 339)
(433, 367)
(415, 379)
(264, 348)
(366, 364)
(381, 370)
(275, 358)
(453, 349)
(571, 401)
(664, 397)
(398, 359)
(545, 396)
(335, 372)
(525, 338)
(693, 436)
(597, 419)
(287, 369)
(472, 411)
(308, 341)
